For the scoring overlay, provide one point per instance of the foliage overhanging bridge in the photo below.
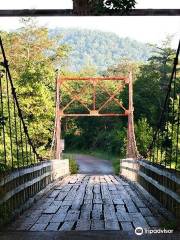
(84, 202)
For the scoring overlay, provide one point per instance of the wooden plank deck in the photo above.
(88, 202)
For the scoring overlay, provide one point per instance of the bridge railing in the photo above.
(165, 147)
(16, 147)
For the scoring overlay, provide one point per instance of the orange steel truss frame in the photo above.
(94, 111)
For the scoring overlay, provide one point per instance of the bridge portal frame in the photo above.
(131, 151)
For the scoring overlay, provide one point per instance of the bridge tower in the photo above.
(131, 151)
(58, 149)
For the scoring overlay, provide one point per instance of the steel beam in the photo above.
(69, 12)
(94, 114)
(94, 79)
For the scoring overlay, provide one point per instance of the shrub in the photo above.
(73, 166)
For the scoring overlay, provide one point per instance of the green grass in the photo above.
(101, 155)
(73, 166)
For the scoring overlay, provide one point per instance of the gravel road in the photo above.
(93, 165)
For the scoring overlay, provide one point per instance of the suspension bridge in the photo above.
(42, 195)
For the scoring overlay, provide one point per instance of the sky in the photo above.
(144, 29)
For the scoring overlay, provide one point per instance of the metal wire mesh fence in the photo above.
(165, 147)
(16, 147)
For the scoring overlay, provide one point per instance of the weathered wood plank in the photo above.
(109, 213)
(111, 225)
(123, 216)
(102, 180)
(139, 203)
(114, 180)
(61, 196)
(89, 190)
(67, 226)
(44, 219)
(83, 224)
(33, 213)
(87, 201)
(134, 196)
(75, 186)
(53, 208)
(97, 211)
(66, 188)
(54, 194)
(86, 211)
(63, 182)
(121, 208)
(127, 226)
(145, 212)
(88, 197)
(130, 206)
(79, 198)
(124, 194)
(112, 187)
(97, 224)
(22, 227)
(39, 227)
(97, 198)
(122, 182)
(71, 195)
(56, 203)
(117, 199)
(152, 221)
(42, 206)
(96, 188)
(106, 194)
(107, 178)
(72, 215)
(52, 227)
(60, 215)
(67, 203)
(115, 192)
(138, 220)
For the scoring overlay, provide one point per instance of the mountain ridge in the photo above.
(99, 48)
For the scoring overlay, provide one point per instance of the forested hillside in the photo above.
(101, 49)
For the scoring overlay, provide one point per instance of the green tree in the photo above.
(151, 85)
(33, 57)
(144, 134)
(113, 5)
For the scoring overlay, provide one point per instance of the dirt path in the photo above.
(93, 165)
